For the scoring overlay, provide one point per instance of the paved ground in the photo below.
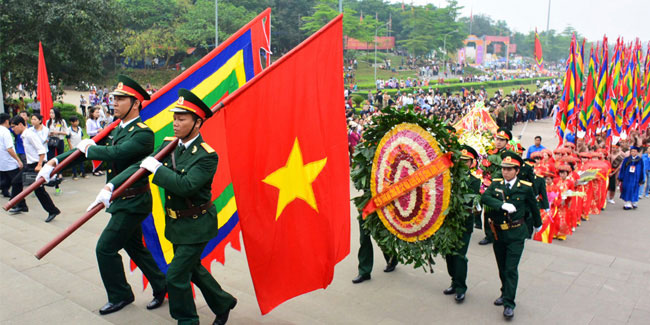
(600, 275)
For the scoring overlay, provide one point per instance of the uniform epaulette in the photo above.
(476, 176)
(497, 179)
(142, 125)
(207, 147)
(169, 139)
(526, 183)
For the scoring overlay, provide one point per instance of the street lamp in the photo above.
(444, 42)
(376, 29)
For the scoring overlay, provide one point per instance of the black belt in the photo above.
(511, 225)
(132, 192)
(193, 212)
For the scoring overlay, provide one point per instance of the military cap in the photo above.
(130, 88)
(511, 159)
(189, 103)
(503, 134)
(468, 152)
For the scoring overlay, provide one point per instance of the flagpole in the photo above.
(2, 96)
(216, 23)
(548, 19)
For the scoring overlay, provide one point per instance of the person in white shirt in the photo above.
(10, 163)
(75, 133)
(39, 129)
(35, 153)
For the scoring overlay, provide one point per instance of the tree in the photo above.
(326, 10)
(76, 35)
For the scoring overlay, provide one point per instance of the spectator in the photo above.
(536, 147)
(41, 131)
(35, 152)
(10, 163)
(75, 133)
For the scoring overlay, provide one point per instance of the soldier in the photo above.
(128, 143)
(191, 217)
(528, 173)
(457, 261)
(512, 199)
(366, 256)
(491, 167)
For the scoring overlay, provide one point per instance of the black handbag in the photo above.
(53, 141)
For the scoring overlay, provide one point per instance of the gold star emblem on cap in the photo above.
(294, 180)
(181, 100)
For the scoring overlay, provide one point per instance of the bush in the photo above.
(467, 85)
(357, 100)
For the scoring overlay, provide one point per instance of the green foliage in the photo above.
(447, 238)
(455, 87)
(76, 35)
(353, 27)
(357, 100)
(430, 29)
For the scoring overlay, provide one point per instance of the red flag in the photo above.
(287, 143)
(43, 92)
(538, 52)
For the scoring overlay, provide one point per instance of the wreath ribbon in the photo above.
(407, 184)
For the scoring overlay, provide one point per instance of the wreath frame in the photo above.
(447, 239)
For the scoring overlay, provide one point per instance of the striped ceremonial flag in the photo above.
(645, 90)
(614, 117)
(601, 90)
(586, 114)
(221, 71)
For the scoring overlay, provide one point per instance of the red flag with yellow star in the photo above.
(287, 145)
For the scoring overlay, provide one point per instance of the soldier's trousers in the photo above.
(366, 255)
(457, 265)
(185, 267)
(125, 232)
(507, 252)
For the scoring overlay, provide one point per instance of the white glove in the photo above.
(548, 210)
(84, 145)
(104, 196)
(150, 164)
(509, 207)
(45, 172)
(538, 229)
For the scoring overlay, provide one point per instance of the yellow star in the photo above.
(294, 180)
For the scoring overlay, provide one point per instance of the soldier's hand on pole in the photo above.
(45, 172)
(104, 197)
(84, 144)
(151, 164)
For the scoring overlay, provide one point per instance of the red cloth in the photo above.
(293, 109)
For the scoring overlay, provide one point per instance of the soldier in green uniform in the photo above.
(527, 173)
(512, 198)
(128, 143)
(366, 256)
(190, 215)
(491, 166)
(457, 261)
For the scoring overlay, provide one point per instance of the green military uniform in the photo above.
(457, 261)
(126, 145)
(527, 173)
(510, 227)
(492, 167)
(190, 222)
(366, 255)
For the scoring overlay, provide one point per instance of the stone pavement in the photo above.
(600, 275)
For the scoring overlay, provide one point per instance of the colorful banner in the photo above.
(221, 71)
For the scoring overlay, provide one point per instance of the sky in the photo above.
(591, 18)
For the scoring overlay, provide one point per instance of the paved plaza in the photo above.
(600, 275)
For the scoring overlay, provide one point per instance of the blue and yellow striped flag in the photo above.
(222, 71)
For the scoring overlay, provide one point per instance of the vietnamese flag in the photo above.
(43, 92)
(287, 146)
